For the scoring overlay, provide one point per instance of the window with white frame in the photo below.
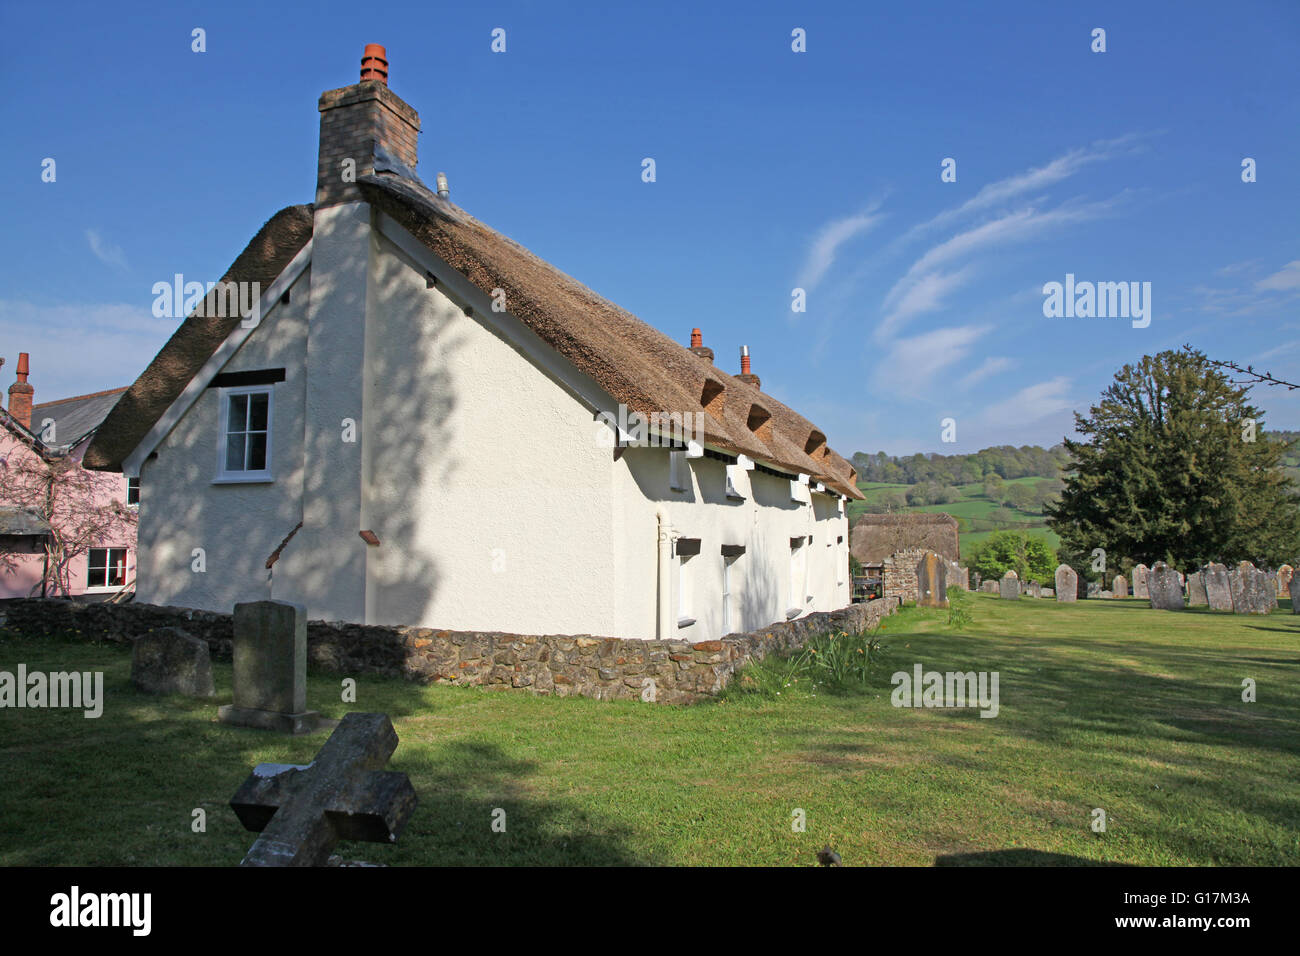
(245, 446)
(106, 568)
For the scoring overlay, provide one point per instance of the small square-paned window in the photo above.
(133, 491)
(245, 448)
(106, 568)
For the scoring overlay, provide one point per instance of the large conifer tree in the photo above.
(1169, 471)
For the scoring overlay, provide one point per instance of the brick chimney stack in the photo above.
(698, 346)
(20, 395)
(746, 375)
(358, 122)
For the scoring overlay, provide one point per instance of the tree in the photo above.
(1172, 471)
(76, 504)
(1020, 497)
(1028, 555)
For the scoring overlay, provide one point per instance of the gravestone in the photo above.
(1250, 589)
(1270, 585)
(931, 581)
(171, 661)
(1047, 592)
(989, 587)
(1093, 589)
(1067, 583)
(1196, 596)
(1295, 593)
(1119, 586)
(344, 794)
(1218, 587)
(1164, 589)
(1033, 589)
(1284, 576)
(1106, 594)
(270, 651)
(1009, 586)
(1140, 572)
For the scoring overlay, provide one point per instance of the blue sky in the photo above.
(775, 170)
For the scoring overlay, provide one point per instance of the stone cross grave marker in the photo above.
(1067, 583)
(270, 651)
(302, 812)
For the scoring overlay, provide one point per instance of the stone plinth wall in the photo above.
(899, 574)
(604, 668)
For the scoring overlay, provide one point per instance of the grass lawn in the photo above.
(1103, 704)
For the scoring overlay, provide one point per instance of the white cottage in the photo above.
(421, 422)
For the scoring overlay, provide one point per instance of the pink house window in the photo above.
(106, 568)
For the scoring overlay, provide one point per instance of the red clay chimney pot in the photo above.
(697, 339)
(374, 64)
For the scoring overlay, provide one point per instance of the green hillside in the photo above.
(978, 515)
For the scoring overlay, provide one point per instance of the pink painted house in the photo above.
(91, 513)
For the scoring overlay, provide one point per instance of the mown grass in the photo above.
(1104, 704)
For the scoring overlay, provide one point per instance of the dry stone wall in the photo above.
(604, 668)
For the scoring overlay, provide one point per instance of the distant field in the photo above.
(972, 506)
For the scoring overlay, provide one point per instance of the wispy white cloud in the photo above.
(81, 348)
(821, 255)
(105, 251)
(1284, 280)
(991, 366)
(1031, 180)
(912, 363)
(921, 289)
(1031, 404)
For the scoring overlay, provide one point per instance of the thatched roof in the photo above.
(632, 361)
(141, 405)
(875, 537)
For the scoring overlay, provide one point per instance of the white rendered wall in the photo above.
(236, 525)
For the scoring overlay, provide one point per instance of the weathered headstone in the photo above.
(171, 661)
(1009, 586)
(1119, 586)
(344, 794)
(1140, 572)
(1250, 590)
(1067, 583)
(1196, 596)
(1164, 589)
(1284, 576)
(989, 587)
(1033, 589)
(270, 651)
(931, 581)
(1218, 587)
(1295, 594)
(1047, 592)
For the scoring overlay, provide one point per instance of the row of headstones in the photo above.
(1244, 590)
(1011, 588)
